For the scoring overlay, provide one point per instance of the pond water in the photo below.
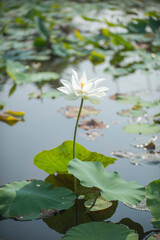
(45, 127)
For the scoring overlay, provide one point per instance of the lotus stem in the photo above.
(74, 140)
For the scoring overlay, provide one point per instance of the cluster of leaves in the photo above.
(98, 190)
(138, 111)
(49, 29)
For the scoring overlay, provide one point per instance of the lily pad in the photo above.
(72, 112)
(142, 128)
(57, 159)
(153, 198)
(26, 200)
(111, 185)
(100, 230)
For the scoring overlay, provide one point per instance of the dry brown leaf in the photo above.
(72, 112)
(115, 96)
(92, 124)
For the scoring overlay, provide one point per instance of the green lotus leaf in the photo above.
(65, 220)
(154, 237)
(127, 99)
(156, 223)
(27, 200)
(54, 94)
(1, 105)
(16, 71)
(132, 113)
(101, 231)
(142, 128)
(57, 159)
(153, 198)
(100, 204)
(112, 186)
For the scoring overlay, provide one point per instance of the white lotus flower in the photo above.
(86, 89)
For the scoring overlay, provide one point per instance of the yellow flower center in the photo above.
(82, 85)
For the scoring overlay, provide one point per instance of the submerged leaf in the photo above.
(57, 159)
(26, 200)
(100, 230)
(111, 185)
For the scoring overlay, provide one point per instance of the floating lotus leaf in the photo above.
(57, 159)
(142, 128)
(156, 223)
(132, 112)
(27, 200)
(139, 206)
(99, 205)
(154, 237)
(111, 185)
(17, 72)
(127, 99)
(153, 198)
(65, 220)
(101, 231)
(96, 57)
(1, 105)
(53, 94)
